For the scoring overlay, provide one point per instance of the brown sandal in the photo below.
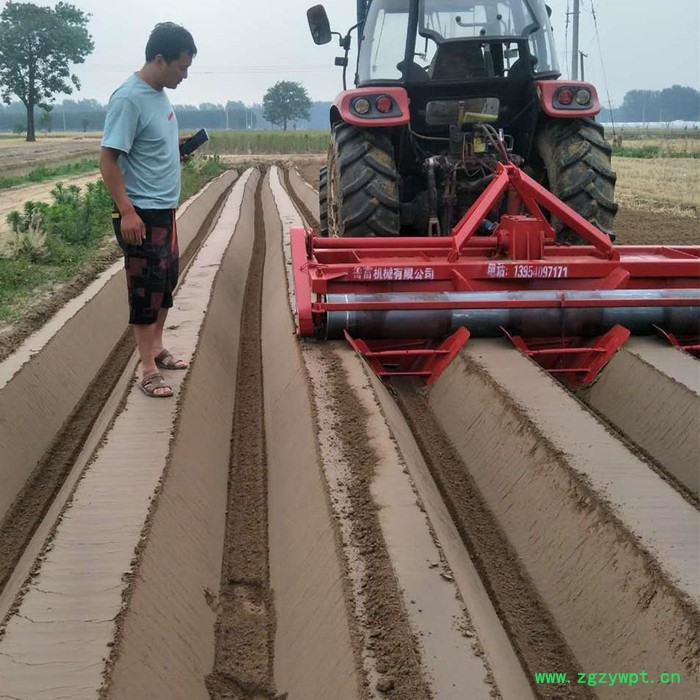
(165, 360)
(151, 383)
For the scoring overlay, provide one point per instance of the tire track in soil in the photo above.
(243, 666)
(32, 504)
(536, 639)
(391, 640)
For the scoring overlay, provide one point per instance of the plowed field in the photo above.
(290, 527)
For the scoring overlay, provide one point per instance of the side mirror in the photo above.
(549, 10)
(318, 24)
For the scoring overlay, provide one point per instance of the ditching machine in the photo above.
(469, 192)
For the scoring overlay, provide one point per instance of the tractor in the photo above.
(445, 90)
(469, 192)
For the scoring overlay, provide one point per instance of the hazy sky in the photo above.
(247, 45)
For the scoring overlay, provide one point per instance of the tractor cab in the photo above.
(435, 41)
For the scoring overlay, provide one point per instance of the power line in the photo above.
(220, 70)
(602, 63)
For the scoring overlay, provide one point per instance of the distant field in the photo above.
(267, 142)
(658, 148)
(636, 142)
(43, 173)
(15, 141)
(664, 185)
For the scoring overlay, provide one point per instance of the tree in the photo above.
(286, 101)
(679, 102)
(46, 119)
(672, 103)
(641, 106)
(37, 46)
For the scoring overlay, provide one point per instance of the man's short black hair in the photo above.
(170, 40)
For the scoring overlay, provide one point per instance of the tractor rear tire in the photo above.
(578, 163)
(323, 201)
(363, 184)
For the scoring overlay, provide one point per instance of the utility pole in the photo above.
(583, 55)
(574, 48)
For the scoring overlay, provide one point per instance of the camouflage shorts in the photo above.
(152, 268)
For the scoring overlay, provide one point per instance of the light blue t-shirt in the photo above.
(142, 125)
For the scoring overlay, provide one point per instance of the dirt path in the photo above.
(17, 157)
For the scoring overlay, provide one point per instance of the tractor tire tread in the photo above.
(578, 164)
(323, 201)
(367, 180)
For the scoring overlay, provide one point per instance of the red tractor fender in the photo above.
(388, 106)
(565, 98)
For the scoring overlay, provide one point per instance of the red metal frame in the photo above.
(520, 255)
(420, 358)
(687, 343)
(575, 361)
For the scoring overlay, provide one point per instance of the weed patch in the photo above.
(654, 151)
(52, 242)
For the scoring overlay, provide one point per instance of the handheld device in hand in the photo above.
(194, 142)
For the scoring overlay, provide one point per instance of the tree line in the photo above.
(89, 115)
(676, 102)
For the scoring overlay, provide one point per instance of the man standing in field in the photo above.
(140, 165)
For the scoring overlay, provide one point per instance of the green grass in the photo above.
(640, 133)
(653, 151)
(267, 142)
(197, 172)
(43, 173)
(53, 242)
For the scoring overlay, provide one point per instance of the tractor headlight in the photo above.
(583, 97)
(362, 106)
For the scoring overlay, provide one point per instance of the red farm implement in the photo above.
(409, 303)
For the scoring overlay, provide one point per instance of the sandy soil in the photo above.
(635, 227)
(538, 641)
(266, 536)
(552, 475)
(245, 628)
